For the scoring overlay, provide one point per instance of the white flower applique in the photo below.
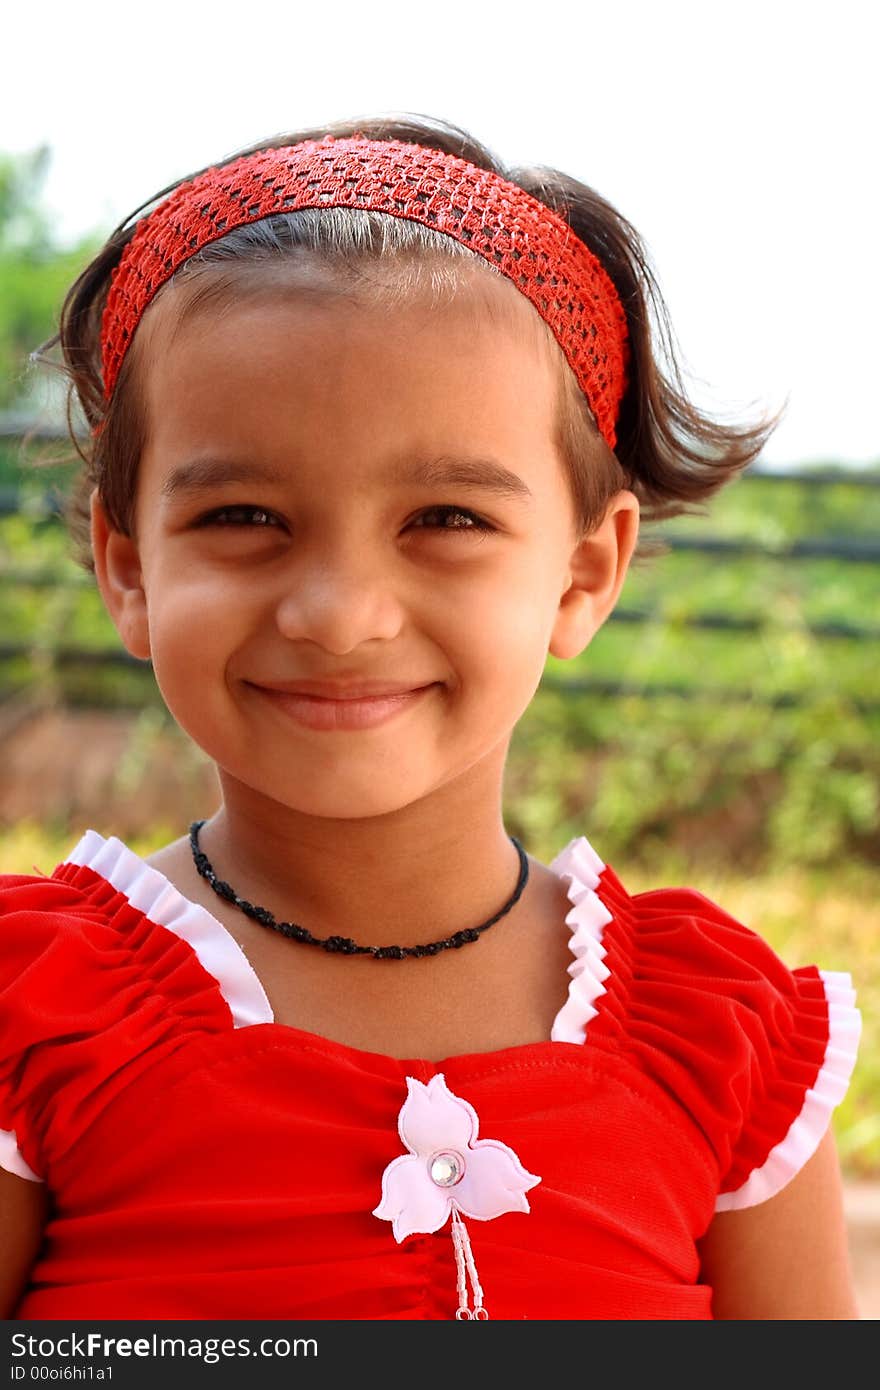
(449, 1171)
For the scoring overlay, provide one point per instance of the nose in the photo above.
(340, 602)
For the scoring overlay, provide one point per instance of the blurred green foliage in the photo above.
(35, 270)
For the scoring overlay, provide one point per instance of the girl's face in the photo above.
(293, 524)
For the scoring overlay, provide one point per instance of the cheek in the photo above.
(504, 627)
(193, 638)
(193, 626)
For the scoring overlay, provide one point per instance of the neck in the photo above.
(405, 878)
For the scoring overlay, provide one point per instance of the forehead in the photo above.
(433, 300)
(307, 366)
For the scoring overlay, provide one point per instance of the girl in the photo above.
(373, 422)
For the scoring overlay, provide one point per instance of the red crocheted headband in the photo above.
(525, 240)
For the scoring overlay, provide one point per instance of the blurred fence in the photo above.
(22, 573)
(727, 713)
(728, 708)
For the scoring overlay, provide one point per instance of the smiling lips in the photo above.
(344, 690)
(327, 705)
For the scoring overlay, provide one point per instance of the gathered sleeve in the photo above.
(757, 1053)
(768, 1050)
(92, 992)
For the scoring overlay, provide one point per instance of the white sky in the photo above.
(740, 139)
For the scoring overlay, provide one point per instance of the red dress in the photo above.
(204, 1161)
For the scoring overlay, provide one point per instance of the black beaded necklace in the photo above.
(344, 944)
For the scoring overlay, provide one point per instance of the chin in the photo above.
(333, 797)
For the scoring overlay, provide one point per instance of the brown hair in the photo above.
(670, 454)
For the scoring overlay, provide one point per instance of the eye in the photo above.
(461, 519)
(217, 517)
(457, 519)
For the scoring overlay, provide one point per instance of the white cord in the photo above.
(464, 1260)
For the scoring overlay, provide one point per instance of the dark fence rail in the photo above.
(711, 622)
(847, 549)
(17, 427)
(66, 657)
(850, 548)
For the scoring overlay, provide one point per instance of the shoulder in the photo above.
(757, 1053)
(50, 931)
(81, 921)
(45, 922)
(90, 985)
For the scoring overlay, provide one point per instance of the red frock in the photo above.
(204, 1161)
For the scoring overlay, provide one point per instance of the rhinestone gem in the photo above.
(446, 1168)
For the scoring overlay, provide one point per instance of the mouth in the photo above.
(335, 714)
(345, 690)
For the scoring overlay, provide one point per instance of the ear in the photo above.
(596, 572)
(118, 572)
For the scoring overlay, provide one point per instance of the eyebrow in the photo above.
(446, 470)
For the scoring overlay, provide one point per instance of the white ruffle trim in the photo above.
(808, 1129)
(151, 893)
(221, 956)
(581, 865)
(11, 1158)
